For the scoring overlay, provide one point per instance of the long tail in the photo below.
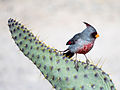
(68, 53)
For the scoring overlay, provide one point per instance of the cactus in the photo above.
(59, 70)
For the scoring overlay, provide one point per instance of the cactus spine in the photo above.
(56, 68)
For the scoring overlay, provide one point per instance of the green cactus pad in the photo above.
(56, 68)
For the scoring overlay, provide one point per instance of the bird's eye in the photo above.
(94, 34)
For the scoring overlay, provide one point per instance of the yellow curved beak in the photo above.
(97, 36)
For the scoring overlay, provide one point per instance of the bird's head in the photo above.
(90, 31)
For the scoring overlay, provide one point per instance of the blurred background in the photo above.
(55, 22)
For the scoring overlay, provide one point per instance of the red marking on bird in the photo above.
(85, 49)
(69, 42)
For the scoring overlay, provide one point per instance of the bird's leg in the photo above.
(76, 56)
(87, 61)
(76, 63)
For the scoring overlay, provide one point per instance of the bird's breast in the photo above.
(85, 48)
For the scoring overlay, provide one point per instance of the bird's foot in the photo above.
(76, 65)
(87, 61)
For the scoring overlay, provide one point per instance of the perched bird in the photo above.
(81, 43)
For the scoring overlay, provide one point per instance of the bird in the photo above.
(82, 42)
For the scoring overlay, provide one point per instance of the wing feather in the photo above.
(74, 39)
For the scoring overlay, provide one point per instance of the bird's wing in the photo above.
(74, 39)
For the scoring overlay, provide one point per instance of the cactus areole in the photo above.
(58, 69)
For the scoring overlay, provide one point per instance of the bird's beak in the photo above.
(97, 36)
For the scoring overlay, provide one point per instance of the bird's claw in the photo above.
(76, 65)
(87, 61)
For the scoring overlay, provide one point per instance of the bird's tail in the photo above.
(68, 53)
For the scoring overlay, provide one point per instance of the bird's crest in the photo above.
(88, 25)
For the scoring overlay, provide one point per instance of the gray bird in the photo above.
(81, 43)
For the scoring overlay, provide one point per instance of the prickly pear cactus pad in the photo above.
(56, 68)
